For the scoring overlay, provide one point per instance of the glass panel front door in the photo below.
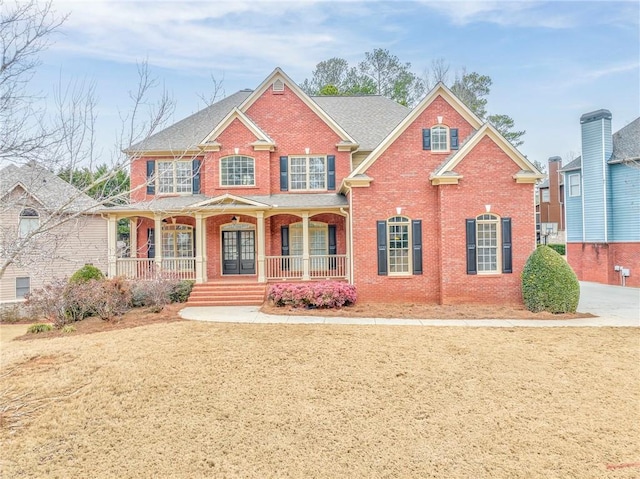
(238, 252)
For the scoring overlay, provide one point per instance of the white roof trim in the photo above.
(26, 190)
(278, 73)
(439, 90)
(227, 196)
(490, 131)
(244, 119)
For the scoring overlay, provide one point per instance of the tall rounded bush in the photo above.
(85, 274)
(549, 283)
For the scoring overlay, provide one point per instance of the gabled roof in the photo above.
(278, 74)
(52, 192)
(528, 172)
(440, 90)
(190, 132)
(236, 114)
(626, 143)
(228, 199)
(576, 164)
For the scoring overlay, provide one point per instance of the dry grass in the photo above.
(195, 400)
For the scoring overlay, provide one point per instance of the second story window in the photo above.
(574, 185)
(308, 173)
(175, 177)
(546, 196)
(439, 138)
(29, 222)
(237, 171)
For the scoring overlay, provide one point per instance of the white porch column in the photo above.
(262, 278)
(133, 237)
(112, 246)
(347, 232)
(200, 263)
(157, 226)
(305, 246)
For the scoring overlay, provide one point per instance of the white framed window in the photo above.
(308, 173)
(29, 222)
(398, 242)
(177, 241)
(439, 138)
(237, 171)
(487, 241)
(175, 177)
(318, 244)
(545, 196)
(23, 287)
(574, 185)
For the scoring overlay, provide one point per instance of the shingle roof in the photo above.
(573, 165)
(626, 142)
(189, 132)
(51, 191)
(367, 118)
(187, 203)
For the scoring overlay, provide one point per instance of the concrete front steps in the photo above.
(227, 293)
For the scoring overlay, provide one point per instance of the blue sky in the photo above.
(550, 62)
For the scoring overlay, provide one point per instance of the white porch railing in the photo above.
(292, 267)
(147, 268)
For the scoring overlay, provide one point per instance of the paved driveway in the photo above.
(615, 302)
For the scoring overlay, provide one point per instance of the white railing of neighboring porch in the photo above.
(147, 268)
(292, 267)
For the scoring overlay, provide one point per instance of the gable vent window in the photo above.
(278, 86)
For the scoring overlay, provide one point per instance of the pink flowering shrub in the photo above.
(327, 294)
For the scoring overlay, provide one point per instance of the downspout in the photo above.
(604, 188)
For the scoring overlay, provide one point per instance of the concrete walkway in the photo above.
(614, 306)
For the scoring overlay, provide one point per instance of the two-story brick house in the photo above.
(424, 205)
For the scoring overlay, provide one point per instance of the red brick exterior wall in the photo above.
(596, 261)
(401, 179)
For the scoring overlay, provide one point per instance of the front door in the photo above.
(239, 252)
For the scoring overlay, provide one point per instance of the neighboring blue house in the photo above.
(602, 202)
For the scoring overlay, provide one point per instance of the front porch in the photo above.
(276, 268)
(232, 237)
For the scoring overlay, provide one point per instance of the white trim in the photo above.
(227, 120)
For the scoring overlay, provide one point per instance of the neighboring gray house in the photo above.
(33, 198)
(602, 202)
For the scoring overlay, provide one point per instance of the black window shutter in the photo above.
(151, 169)
(333, 246)
(453, 135)
(426, 139)
(331, 172)
(195, 183)
(151, 243)
(284, 176)
(382, 248)
(471, 247)
(507, 266)
(284, 234)
(416, 234)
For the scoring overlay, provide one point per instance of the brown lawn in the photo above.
(194, 400)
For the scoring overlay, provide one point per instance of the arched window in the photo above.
(399, 237)
(237, 171)
(29, 222)
(439, 138)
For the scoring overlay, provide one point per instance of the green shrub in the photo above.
(558, 248)
(549, 283)
(68, 328)
(85, 274)
(39, 328)
(181, 291)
